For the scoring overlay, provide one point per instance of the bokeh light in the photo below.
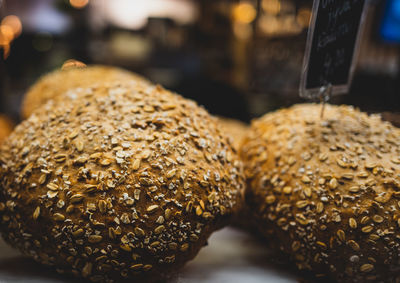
(7, 34)
(14, 23)
(78, 4)
(10, 28)
(303, 17)
(272, 7)
(241, 31)
(244, 13)
(134, 14)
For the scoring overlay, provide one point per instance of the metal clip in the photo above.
(325, 93)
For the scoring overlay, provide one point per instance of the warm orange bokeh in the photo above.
(10, 28)
(244, 13)
(14, 23)
(79, 4)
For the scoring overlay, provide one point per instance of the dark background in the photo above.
(239, 59)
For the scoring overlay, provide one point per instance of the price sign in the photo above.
(332, 46)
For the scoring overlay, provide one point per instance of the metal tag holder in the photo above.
(328, 89)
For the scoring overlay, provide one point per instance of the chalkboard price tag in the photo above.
(332, 46)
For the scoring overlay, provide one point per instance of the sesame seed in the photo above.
(76, 198)
(94, 239)
(78, 233)
(377, 218)
(52, 187)
(341, 235)
(295, 246)
(139, 232)
(367, 229)
(136, 164)
(159, 229)
(171, 173)
(305, 179)
(136, 267)
(333, 183)
(366, 267)
(36, 213)
(353, 244)
(152, 208)
(301, 204)
(58, 217)
(270, 199)
(184, 247)
(287, 190)
(199, 211)
(352, 223)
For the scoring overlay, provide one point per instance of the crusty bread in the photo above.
(6, 127)
(235, 129)
(59, 81)
(120, 181)
(327, 191)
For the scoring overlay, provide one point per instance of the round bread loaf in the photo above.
(59, 81)
(235, 129)
(327, 191)
(6, 127)
(117, 181)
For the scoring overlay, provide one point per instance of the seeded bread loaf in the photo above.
(235, 129)
(122, 181)
(6, 127)
(59, 81)
(327, 191)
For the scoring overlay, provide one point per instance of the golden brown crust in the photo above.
(235, 129)
(118, 181)
(327, 190)
(59, 81)
(6, 127)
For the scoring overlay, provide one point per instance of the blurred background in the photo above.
(239, 59)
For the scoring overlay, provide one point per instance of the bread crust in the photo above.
(118, 181)
(235, 129)
(326, 191)
(6, 127)
(59, 81)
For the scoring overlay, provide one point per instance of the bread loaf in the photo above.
(327, 191)
(119, 181)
